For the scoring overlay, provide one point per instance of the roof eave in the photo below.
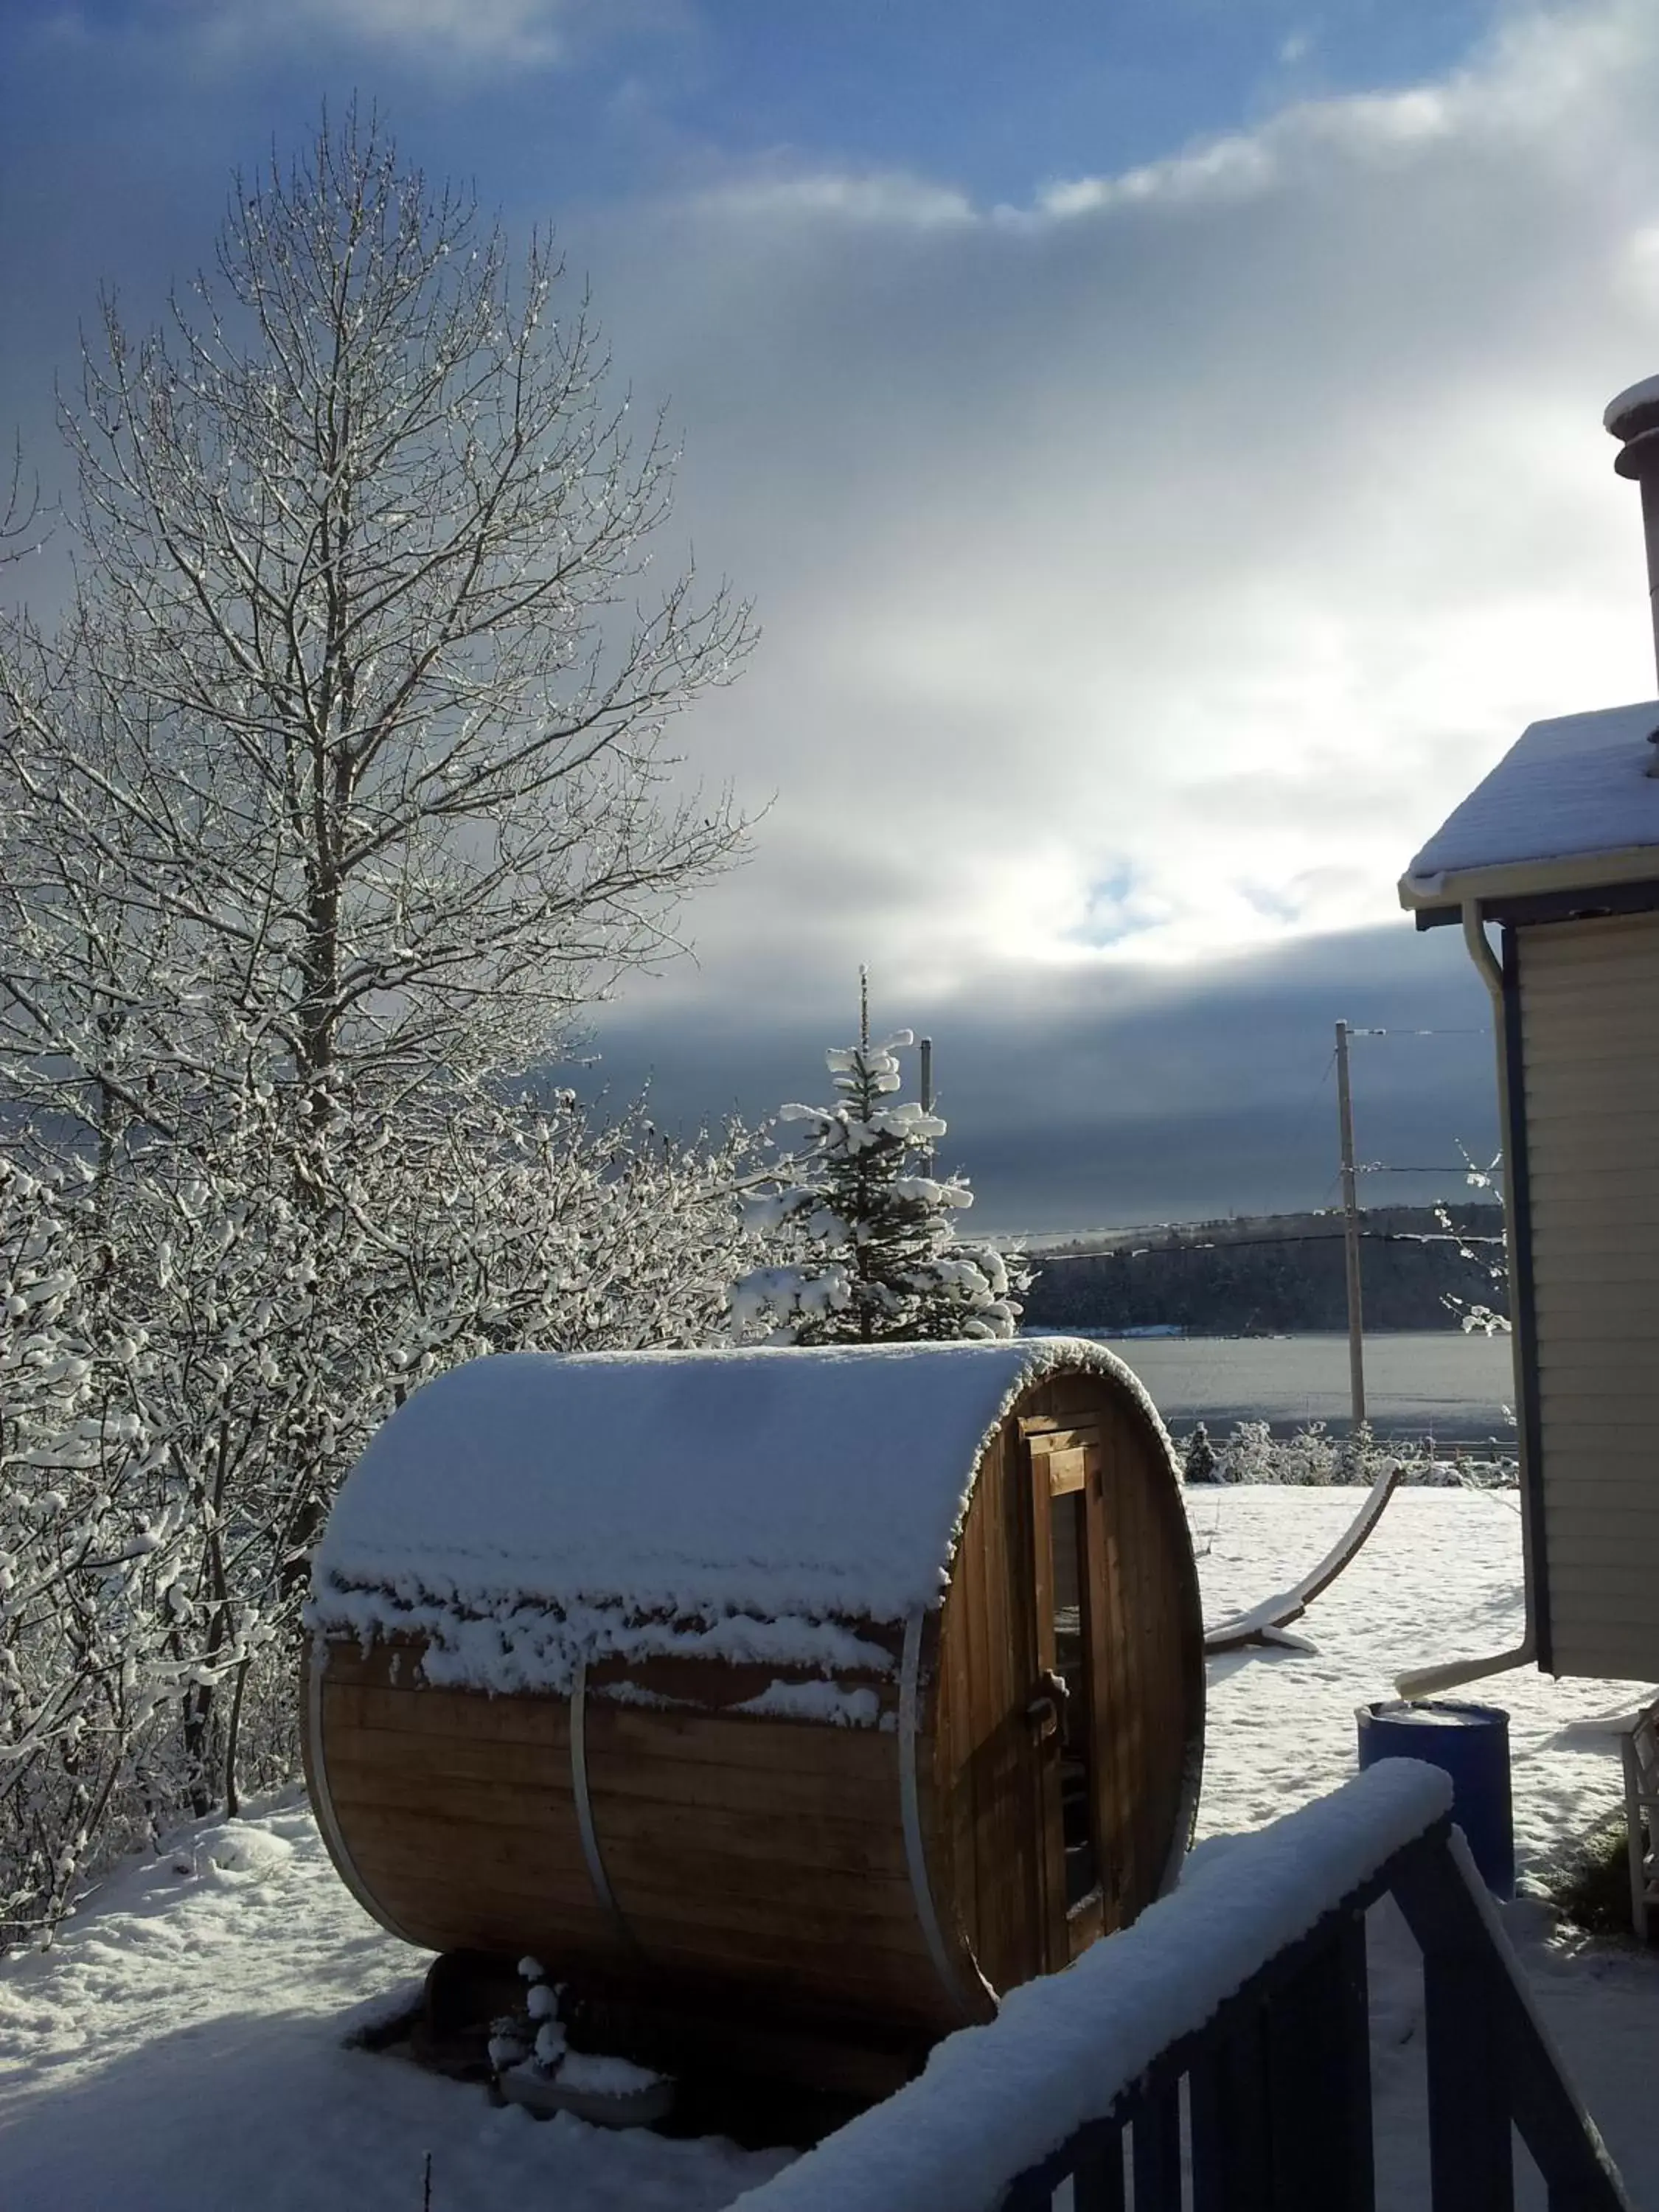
(1442, 897)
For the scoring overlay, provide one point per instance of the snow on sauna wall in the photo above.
(848, 1684)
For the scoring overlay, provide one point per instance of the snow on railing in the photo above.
(996, 2100)
(1227, 2033)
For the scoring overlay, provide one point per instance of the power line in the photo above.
(1386, 1167)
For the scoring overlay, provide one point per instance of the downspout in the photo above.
(1428, 1682)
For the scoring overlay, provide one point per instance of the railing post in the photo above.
(1319, 2080)
(1487, 2048)
(1231, 2122)
(1277, 2109)
(1471, 2087)
(1471, 2154)
(1281, 2108)
(1098, 2183)
(1155, 2139)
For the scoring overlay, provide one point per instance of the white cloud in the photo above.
(1226, 168)
(473, 36)
(522, 32)
(883, 198)
(1197, 533)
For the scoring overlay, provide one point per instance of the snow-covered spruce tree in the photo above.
(1201, 1463)
(861, 1225)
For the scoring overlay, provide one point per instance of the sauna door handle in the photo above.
(1047, 1705)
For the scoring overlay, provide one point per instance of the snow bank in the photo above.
(529, 1512)
(995, 2100)
(1575, 786)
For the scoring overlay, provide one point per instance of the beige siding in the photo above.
(1590, 1035)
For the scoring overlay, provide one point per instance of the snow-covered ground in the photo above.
(180, 2049)
(1440, 1579)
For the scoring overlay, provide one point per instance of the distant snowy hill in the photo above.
(1273, 1273)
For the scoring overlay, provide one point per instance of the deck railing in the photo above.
(1216, 2057)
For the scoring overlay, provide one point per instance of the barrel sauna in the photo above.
(832, 1690)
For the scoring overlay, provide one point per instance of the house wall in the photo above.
(1589, 995)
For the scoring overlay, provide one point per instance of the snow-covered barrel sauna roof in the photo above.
(530, 1511)
(1571, 803)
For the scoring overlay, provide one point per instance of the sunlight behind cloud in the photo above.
(1207, 529)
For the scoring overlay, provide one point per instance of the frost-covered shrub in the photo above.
(1359, 1459)
(1247, 1455)
(1489, 1469)
(199, 1341)
(96, 1633)
(1309, 1456)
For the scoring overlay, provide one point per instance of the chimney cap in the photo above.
(1635, 409)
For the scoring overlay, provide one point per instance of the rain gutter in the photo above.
(1428, 1681)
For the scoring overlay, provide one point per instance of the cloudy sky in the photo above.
(1163, 443)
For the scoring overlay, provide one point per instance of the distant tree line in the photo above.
(1265, 1278)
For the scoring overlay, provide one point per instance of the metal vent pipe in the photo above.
(1633, 419)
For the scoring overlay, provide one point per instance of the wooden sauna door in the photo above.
(1069, 1601)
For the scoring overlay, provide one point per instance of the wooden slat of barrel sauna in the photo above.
(753, 1889)
(854, 1925)
(457, 1811)
(718, 1687)
(1018, 1832)
(1147, 1681)
(1119, 1744)
(1110, 1693)
(997, 1840)
(453, 1716)
(474, 1860)
(949, 1769)
(794, 1981)
(1168, 1673)
(1143, 1816)
(984, 1820)
(866, 1760)
(801, 1913)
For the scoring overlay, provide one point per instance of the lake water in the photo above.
(1436, 1380)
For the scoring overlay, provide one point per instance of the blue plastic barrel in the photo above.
(1471, 1743)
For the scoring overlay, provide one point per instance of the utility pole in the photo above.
(1351, 1232)
(927, 1090)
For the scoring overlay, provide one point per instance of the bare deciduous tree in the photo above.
(353, 732)
(338, 789)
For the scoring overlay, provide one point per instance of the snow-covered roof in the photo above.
(740, 1504)
(1573, 789)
